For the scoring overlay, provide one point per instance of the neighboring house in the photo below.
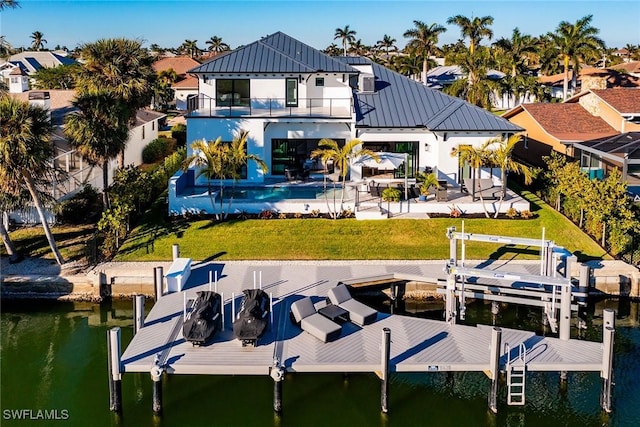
(591, 78)
(600, 157)
(590, 115)
(28, 63)
(186, 85)
(75, 171)
(289, 96)
(632, 68)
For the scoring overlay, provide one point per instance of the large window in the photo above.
(292, 92)
(234, 93)
(409, 147)
(295, 154)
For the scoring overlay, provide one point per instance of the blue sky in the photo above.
(169, 23)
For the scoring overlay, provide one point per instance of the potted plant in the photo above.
(391, 194)
(426, 180)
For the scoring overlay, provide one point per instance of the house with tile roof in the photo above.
(186, 85)
(289, 96)
(591, 78)
(591, 115)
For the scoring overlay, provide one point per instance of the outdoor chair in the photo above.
(358, 313)
(484, 187)
(305, 315)
(375, 190)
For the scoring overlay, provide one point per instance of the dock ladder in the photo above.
(516, 371)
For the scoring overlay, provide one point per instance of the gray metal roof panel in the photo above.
(401, 102)
(277, 53)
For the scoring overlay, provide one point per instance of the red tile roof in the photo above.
(189, 83)
(179, 64)
(614, 77)
(629, 67)
(568, 122)
(624, 100)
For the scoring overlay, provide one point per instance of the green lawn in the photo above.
(301, 239)
(71, 241)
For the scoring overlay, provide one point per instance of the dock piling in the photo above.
(115, 384)
(138, 313)
(156, 377)
(277, 373)
(175, 251)
(386, 353)
(158, 278)
(608, 332)
(565, 311)
(494, 368)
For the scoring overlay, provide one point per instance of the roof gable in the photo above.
(401, 102)
(625, 101)
(277, 53)
(567, 121)
(179, 64)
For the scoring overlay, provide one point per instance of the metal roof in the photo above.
(625, 145)
(277, 53)
(403, 103)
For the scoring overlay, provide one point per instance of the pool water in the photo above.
(265, 193)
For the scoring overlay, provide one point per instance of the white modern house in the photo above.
(289, 96)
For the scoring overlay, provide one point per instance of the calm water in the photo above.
(53, 357)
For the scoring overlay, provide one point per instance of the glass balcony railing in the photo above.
(205, 106)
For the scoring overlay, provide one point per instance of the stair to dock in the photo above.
(516, 377)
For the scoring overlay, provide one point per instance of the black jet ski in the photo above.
(253, 318)
(204, 318)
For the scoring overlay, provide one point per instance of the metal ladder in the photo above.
(516, 374)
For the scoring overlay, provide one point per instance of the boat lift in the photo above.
(546, 290)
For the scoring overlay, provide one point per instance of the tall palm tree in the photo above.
(387, 43)
(120, 67)
(99, 131)
(501, 155)
(347, 36)
(575, 42)
(217, 45)
(8, 4)
(519, 48)
(424, 40)
(476, 88)
(191, 48)
(342, 157)
(25, 154)
(332, 50)
(357, 48)
(38, 40)
(207, 158)
(475, 29)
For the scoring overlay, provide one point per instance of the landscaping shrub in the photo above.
(391, 194)
(179, 133)
(83, 208)
(155, 150)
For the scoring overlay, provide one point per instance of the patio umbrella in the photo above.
(388, 161)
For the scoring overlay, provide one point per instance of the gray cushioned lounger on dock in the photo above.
(314, 323)
(358, 313)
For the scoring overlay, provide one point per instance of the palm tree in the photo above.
(207, 157)
(99, 131)
(346, 35)
(387, 43)
(122, 68)
(217, 45)
(519, 48)
(5, 47)
(575, 42)
(476, 157)
(191, 48)
(358, 49)
(476, 88)
(332, 50)
(475, 29)
(38, 40)
(501, 156)
(424, 40)
(8, 4)
(25, 154)
(342, 157)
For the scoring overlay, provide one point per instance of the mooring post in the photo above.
(585, 278)
(175, 251)
(277, 373)
(608, 331)
(494, 368)
(568, 263)
(115, 376)
(156, 378)
(138, 313)
(453, 247)
(158, 285)
(386, 354)
(450, 299)
(565, 311)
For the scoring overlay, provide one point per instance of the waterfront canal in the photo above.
(53, 372)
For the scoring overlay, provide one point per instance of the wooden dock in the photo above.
(417, 345)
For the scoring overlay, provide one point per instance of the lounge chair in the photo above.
(484, 187)
(305, 315)
(358, 313)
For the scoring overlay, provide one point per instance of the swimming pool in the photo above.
(265, 193)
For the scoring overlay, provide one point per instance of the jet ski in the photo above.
(253, 318)
(204, 318)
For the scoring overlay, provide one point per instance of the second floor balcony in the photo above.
(205, 106)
